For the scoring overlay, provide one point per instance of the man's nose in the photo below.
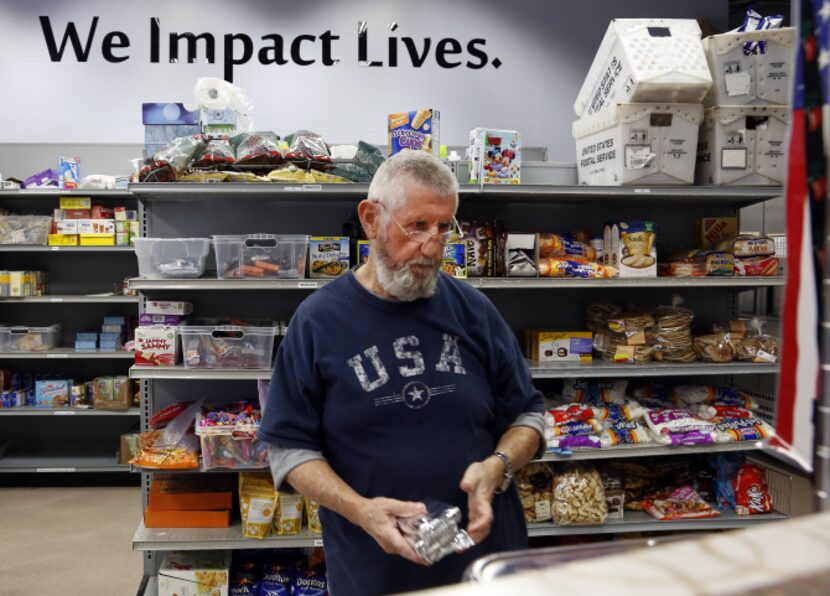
(432, 248)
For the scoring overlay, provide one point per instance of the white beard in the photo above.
(401, 283)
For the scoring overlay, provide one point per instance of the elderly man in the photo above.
(398, 384)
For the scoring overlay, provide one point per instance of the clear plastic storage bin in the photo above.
(177, 258)
(231, 447)
(260, 256)
(19, 338)
(212, 344)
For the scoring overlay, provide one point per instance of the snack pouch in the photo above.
(726, 467)
(624, 433)
(535, 485)
(288, 519)
(591, 391)
(751, 492)
(742, 429)
(579, 497)
(257, 503)
(312, 509)
(278, 577)
(245, 575)
(310, 582)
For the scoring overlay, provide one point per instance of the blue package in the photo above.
(168, 113)
(115, 321)
(277, 578)
(109, 337)
(85, 345)
(726, 467)
(245, 580)
(311, 582)
(86, 337)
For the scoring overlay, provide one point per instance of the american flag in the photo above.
(800, 379)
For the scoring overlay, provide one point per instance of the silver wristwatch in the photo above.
(508, 472)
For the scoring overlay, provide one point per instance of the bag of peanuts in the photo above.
(579, 497)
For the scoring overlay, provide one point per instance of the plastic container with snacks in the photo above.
(214, 344)
(260, 256)
(19, 338)
(230, 445)
(171, 258)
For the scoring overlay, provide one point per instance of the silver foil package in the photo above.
(436, 535)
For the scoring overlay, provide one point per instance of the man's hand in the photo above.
(378, 517)
(480, 483)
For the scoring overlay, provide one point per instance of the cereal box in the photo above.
(495, 156)
(195, 572)
(419, 130)
(52, 394)
(328, 256)
(155, 346)
(712, 231)
(454, 262)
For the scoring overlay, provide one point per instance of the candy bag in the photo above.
(678, 503)
(751, 491)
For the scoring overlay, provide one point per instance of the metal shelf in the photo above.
(64, 353)
(210, 374)
(37, 248)
(94, 193)
(71, 412)
(215, 539)
(61, 464)
(74, 299)
(640, 521)
(481, 282)
(625, 451)
(732, 196)
(600, 368)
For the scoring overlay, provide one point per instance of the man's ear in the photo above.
(369, 214)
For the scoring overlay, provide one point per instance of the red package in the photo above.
(757, 266)
(751, 491)
(678, 503)
(570, 413)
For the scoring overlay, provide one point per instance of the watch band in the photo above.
(508, 472)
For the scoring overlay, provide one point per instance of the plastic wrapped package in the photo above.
(631, 410)
(715, 347)
(535, 485)
(170, 161)
(673, 335)
(312, 510)
(173, 448)
(556, 245)
(436, 534)
(752, 495)
(678, 503)
(598, 314)
(594, 391)
(742, 429)
(624, 433)
(308, 150)
(228, 437)
(288, 519)
(257, 149)
(687, 395)
(25, 229)
(368, 157)
(579, 497)
(757, 346)
(628, 322)
(218, 153)
(676, 420)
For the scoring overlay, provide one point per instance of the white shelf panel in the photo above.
(31, 248)
(625, 451)
(67, 412)
(180, 372)
(639, 521)
(74, 299)
(600, 368)
(67, 353)
(215, 539)
(61, 464)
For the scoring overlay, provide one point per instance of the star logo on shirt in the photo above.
(416, 395)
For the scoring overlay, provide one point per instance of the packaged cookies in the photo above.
(631, 247)
(418, 130)
(715, 347)
(535, 484)
(579, 497)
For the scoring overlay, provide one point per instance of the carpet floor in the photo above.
(69, 541)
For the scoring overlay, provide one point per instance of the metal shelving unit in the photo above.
(209, 374)
(73, 299)
(67, 353)
(24, 248)
(48, 464)
(599, 368)
(651, 450)
(70, 412)
(150, 539)
(55, 193)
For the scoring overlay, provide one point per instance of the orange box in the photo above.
(189, 494)
(187, 519)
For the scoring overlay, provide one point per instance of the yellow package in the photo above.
(312, 509)
(257, 503)
(289, 517)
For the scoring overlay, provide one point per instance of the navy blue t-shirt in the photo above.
(400, 397)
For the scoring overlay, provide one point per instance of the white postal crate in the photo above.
(743, 146)
(638, 144)
(765, 77)
(646, 60)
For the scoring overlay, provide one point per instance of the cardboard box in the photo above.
(85, 345)
(69, 172)
(187, 519)
(73, 214)
(96, 226)
(75, 203)
(638, 144)
(52, 393)
(145, 319)
(67, 226)
(156, 346)
(191, 493)
(97, 240)
(751, 67)
(495, 156)
(128, 448)
(63, 239)
(328, 256)
(631, 248)
(454, 261)
(522, 255)
(168, 307)
(711, 231)
(218, 122)
(17, 284)
(195, 572)
(560, 346)
(363, 247)
(646, 61)
(419, 130)
(168, 113)
(744, 146)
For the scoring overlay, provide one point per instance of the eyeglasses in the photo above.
(453, 234)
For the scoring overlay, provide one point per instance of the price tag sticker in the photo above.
(308, 285)
(318, 542)
(64, 412)
(56, 248)
(312, 187)
(642, 190)
(57, 355)
(56, 300)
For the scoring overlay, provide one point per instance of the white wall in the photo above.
(545, 47)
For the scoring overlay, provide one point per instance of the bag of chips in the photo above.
(312, 509)
(257, 503)
(751, 491)
(289, 516)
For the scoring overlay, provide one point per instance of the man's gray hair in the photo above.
(389, 183)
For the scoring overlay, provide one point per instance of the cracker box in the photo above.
(96, 240)
(631, 248)
(495, 156)
(95, 226)
(454, 262)
(560, 346)
(419, 130)
(195, 572)
(712, 231)
(328, 256)
(66, 226)
(75, 203)
(168, 307)
(52, 394)
(156, 346)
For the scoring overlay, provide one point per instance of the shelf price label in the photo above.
(56, 248)
(318, 542)
(57, 355)
(642, 190)
(56, 300)
(51, 470)
(64, 412)
(307, 285)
